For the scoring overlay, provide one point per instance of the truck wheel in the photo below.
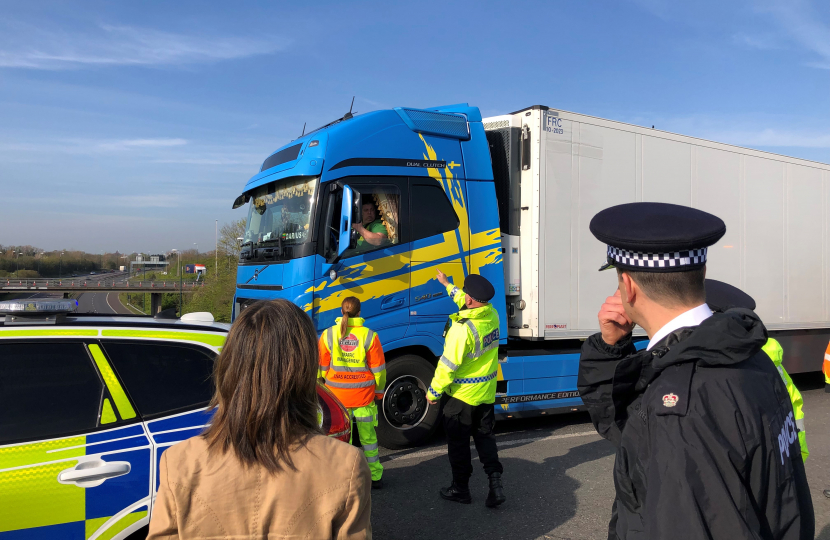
(406, 418)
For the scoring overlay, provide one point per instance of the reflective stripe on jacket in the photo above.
(353, 366)
(468, 368)
(776, 353)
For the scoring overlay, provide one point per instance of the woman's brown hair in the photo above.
(266, 393)
(349, 308)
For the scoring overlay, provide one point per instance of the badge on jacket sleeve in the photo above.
(669, 400)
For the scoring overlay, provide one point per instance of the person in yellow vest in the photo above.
(826, 370)
(721, 296)
(466, 373)
(776, 353)
(353, 367)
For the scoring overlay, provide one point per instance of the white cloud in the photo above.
(88, 146)
(760, 42)
(802, 25)
(23, 46)
(140, 143)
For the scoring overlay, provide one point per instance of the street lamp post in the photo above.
(60, 267)
(143, 294)
(181, 296)
(18, 263)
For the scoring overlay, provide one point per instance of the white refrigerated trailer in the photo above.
(555, 170)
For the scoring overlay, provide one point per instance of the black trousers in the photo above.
(462, 421)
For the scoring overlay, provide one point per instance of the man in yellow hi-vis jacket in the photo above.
(722, 296)
(466, 373)
(776, 353)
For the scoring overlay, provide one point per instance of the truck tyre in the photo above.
(405, 418)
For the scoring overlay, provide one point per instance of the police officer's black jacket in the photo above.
(705, 436)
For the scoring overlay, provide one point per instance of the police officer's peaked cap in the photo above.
(722, 296)
(479, 288)
(656, 237)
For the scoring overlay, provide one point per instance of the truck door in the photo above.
(376, 269)
(436, 246)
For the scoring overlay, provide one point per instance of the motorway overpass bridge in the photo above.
(101, 284)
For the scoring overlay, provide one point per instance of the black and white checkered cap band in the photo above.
(626, 257)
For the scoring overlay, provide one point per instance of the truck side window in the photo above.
(431, 211)
(163, 378)
(380, 217)
(47, 390)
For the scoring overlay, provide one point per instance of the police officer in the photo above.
(466, 373)
(722, 296)
(704, 429)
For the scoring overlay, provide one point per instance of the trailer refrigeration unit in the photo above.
(510, 198)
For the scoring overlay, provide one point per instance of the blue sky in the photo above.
(132, 126)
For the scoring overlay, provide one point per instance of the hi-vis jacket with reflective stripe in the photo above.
(353, 366)
(468, 368)
(826, 368)
(776, 352)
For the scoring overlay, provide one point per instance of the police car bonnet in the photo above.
(656, 237)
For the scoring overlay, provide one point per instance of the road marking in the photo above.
(107, 298)
(442, 451)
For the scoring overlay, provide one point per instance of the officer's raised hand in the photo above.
(613, 322)
(442, 278)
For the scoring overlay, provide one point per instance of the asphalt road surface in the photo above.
(102, 303)
(557, 478)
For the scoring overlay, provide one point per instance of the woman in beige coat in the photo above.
(263, 469)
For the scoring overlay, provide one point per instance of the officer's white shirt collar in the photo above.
(693, 317)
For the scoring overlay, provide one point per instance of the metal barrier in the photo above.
(99, 285)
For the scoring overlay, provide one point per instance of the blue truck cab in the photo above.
(421, 180)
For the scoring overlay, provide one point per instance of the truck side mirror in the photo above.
(349, 212)
(241, 200)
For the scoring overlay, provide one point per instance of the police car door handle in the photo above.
(391, 302)
(93, 473)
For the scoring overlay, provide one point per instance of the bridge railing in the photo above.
(87, 284)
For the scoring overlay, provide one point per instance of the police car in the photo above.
(88, 404)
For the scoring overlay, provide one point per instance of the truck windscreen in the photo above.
(281, 210)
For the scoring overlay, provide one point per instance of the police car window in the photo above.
(431, 211)
(163, 378)
(47, 390)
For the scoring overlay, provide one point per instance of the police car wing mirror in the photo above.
(241, 200)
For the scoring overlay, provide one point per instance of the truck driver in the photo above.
(372, 231)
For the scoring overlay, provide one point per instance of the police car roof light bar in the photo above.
(36, 311)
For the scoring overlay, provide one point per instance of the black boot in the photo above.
(496, 495)
(456, 494)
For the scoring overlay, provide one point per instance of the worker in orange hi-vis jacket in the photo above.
(826, 370)
(353, 367)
